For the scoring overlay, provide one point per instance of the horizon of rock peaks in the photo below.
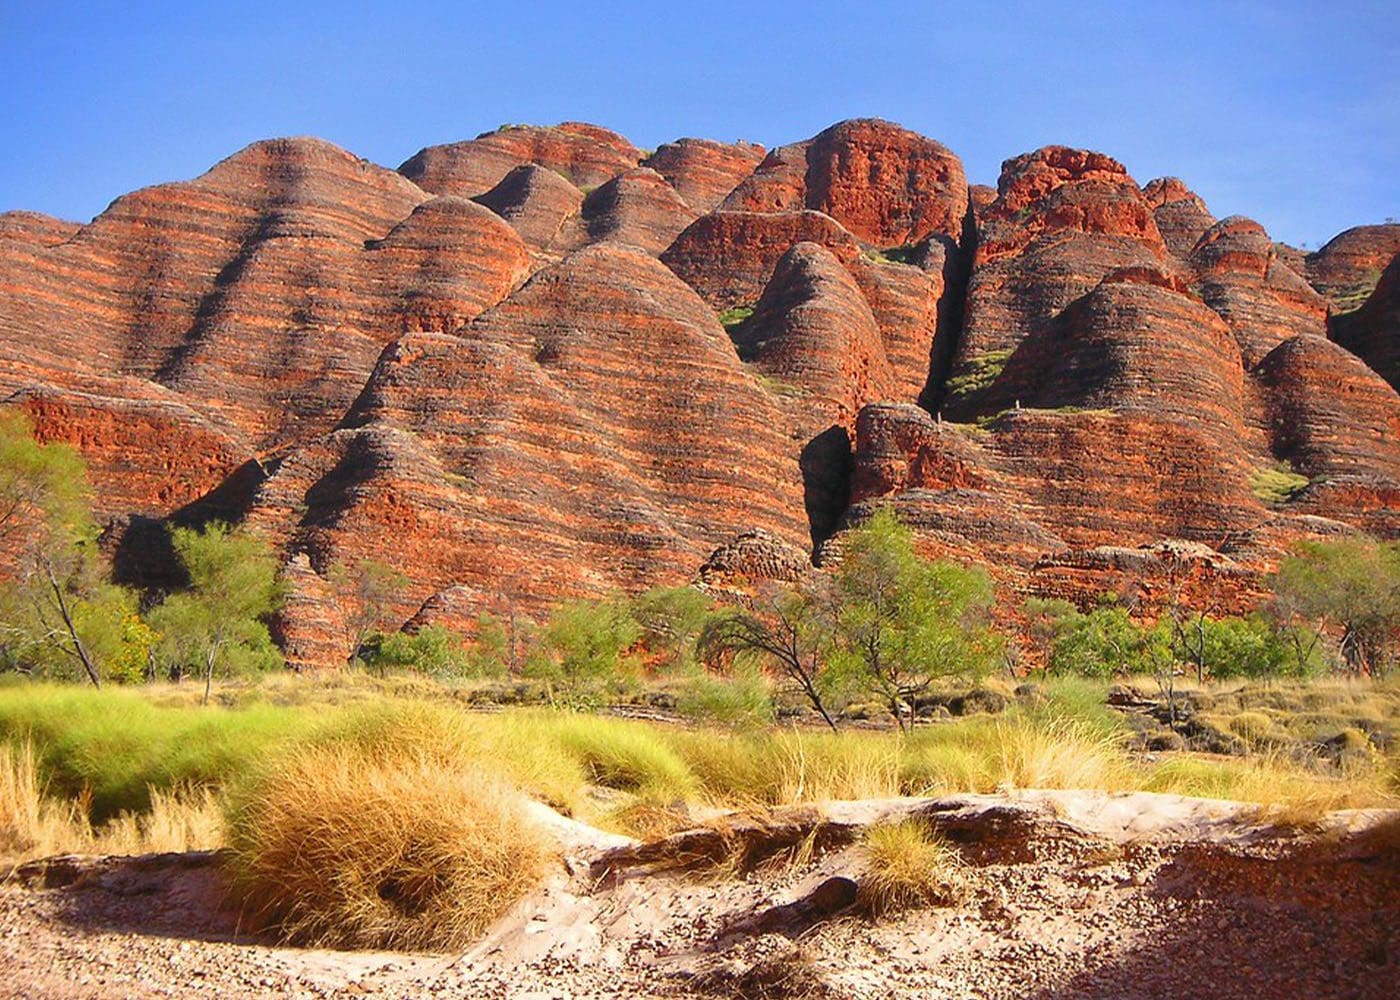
(505, 369)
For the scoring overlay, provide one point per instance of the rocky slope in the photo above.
(545, 363)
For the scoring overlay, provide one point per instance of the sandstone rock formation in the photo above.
(542, 364)
(585, 155)
(704, 172)
(887, 185)
(1372, 332)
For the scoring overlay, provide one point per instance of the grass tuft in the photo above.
(1277, 484)
(333, 848)
(907, 865)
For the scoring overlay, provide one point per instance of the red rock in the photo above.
(147, 451)
(593, 431)
(1062, 220)
(704, 172)
(1348, 267)
(1372, 332)
(1139, 341)
(886, 185)
(638, 209)
(909, 305)
(1264, 301)
(1331, 414)
(263, 291)
(585, 155)
(1181, 216)
(728, 257)
(507, 442)
(1338, 423)
(537, 202)
(813, 330)
(36, 229)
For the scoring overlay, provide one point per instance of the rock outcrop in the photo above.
(704, 172)
(541, 364)
(886, 185)
(1372, 332)
(585, 155)
(1347, 269)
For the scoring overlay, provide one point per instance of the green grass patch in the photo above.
(735, 315)
(111, 748)
(976, 374)
(1277, 484)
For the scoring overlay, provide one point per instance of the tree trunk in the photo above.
(209, 658)
(79, 649)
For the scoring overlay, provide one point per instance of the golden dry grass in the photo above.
(907, 865)
(34, 825)
(334, 847)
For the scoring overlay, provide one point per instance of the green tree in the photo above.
(787, 627)
(46, 528)
(1251, 647)
(217, 623)
(368, 590)
(1350, 586)
(433, 649)
(1106, 642)
(585, 650)
(672, 619)
(900, 621)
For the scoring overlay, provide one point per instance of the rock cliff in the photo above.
(544, 363)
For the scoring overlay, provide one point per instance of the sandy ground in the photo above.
(1068, 895)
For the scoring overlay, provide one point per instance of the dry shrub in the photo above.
(908, 865)
(33, 825)
(187, 819)
(337, 848)
(30, 824)
(1060, 754)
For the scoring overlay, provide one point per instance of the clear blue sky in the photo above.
(1287, 112)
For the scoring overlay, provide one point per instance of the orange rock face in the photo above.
(704, 172)
(585, 155)
(887, 185)
(1372, 332)
(729, 256)
(1347, 270)
(502, 371)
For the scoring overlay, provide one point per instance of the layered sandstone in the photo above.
(537, 202)
(728, 256)
(1263, 299)
(704, 172)
(1062, 220)
(1181, 216)
(585, 155)
(533, 456)
(477, 371)
(1348, 267)
(1372, 332)
(885, 184)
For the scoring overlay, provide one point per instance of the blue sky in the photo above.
(1287, 112)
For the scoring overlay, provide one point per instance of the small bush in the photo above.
(332, 848)
(1277, 484)
(735, 315)
(626, 757)
(742, 699)
(1252, 726)
(585, 653)
(976, 374)
(431, 650)
(35, 825)
(907, 866)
